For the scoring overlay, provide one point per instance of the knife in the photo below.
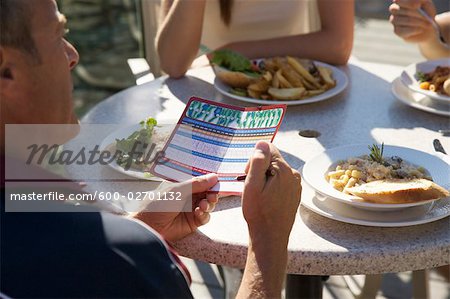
(438, 146)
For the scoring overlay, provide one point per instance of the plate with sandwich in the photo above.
(377, 177)
(135, 147)
(282, 80)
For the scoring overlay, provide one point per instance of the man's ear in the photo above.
(6, 76)
(5, 70)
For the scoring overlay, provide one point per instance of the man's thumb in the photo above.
(259, 163)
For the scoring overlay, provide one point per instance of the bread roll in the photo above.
(446, 87)
(233, 79)
(399, 191)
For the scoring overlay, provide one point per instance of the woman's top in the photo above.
(259, 19)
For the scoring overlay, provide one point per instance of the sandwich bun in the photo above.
(233, 79)
(399, 191)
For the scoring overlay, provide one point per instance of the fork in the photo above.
(435, 25)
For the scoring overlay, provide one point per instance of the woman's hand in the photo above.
(409, 24)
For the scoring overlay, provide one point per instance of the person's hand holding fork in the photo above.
(411, 24)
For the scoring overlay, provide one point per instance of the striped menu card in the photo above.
(219, 138)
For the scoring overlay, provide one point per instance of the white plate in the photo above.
(338, 75)
(315, 169)
(408, 77)
(418, 100)
(159, 134)
(335, 210)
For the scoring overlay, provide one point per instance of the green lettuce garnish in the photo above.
(232, 61)
(239, 91)
(138, 142)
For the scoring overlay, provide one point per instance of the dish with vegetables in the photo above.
(431, 78)
(315, 173)
(437, 81)
(380, 179)
(134, 151)
(136, 147)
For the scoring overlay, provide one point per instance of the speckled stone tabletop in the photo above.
(366, 112)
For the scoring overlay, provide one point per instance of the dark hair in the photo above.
(15, 26)
(225, 10)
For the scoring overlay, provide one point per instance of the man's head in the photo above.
(35, 64)
(16, 26)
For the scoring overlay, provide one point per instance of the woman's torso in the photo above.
(259, 19)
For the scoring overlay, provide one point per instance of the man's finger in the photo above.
(259, 163)
(206, 201)
(212, 197)
(247, 167)
(275, 153)
(192, 187)
(204, 183)
(206, 206)
(200, 217)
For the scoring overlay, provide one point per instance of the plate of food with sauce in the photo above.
(378, 178)
(431, 78)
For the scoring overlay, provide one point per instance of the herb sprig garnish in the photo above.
(421, 76)
(376, 154)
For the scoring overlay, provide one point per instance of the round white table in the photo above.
(365, 113)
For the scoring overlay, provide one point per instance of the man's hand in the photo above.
(174, 226)
(269, 202)
(409, 24)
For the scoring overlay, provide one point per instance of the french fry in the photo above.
(315, 92)
(254, 94)
(260, 86)
(302, 71)
(278, 61)
(287, 93)
(268, 76)
(291, 75)
(271, 65)
(275, 81)
(325, 73)
(284, 83)
(308, 85)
